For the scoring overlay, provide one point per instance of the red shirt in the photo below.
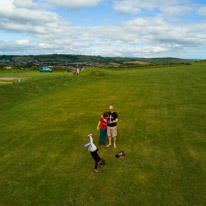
(103, 123)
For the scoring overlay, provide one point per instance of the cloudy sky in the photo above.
(135, 28)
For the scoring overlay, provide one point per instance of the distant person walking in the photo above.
(112, 126)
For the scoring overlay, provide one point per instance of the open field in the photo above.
(136, 62)
(44, 122)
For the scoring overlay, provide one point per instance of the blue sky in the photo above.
(135, 28)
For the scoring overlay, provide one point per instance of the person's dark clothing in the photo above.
(96, 158)
(112, 117)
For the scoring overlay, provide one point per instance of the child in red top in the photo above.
(103, 128)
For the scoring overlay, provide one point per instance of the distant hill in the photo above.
(64, 59)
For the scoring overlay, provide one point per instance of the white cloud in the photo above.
(28, 4)
(26, 16)
(172, 7)
(73, 4)
(202, 11)
(143, 37)
(126, 7)
(176, 10)
(23, 42)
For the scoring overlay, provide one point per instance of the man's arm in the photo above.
(115, 121)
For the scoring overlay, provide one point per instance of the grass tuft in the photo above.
(94, 72)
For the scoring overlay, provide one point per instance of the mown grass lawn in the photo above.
(44, 122)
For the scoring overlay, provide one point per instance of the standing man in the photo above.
(112, 126)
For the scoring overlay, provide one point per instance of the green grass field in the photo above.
(45, 120)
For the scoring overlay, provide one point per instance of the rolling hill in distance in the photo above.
(60, 58)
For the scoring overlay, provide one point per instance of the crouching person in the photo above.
(93, 149)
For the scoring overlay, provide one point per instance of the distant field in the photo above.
(136, 62)
(45, 120)
(12, 76)
(114, 64)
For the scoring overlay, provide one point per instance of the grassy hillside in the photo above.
(44, 122)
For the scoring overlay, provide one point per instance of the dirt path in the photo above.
(10, 80)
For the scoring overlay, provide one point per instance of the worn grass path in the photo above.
(44, 123)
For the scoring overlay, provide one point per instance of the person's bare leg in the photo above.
(114, 139)
(110, 142)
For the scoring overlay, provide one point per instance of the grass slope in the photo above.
(44, 122)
